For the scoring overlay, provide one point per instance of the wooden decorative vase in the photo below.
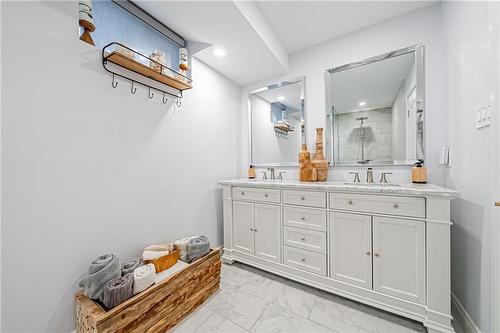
(319, 161)
(307, 172)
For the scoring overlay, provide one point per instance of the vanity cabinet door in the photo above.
(267, 232)
(399, 258)
(243, 226)
(350, 249)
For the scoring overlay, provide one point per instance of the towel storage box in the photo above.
(159, 307)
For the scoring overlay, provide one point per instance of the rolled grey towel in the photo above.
(130, 266)
(197, 247)
(118, 290)
(102, 269)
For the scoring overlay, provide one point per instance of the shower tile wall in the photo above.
(378, 141)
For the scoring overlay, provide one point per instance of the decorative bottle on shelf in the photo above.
(319, 161)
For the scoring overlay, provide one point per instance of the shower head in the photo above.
(362, 119)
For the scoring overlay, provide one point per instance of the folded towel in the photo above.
(153, 255)
(160, 247)
(102, 269)
(197, 247)
(130, 266)
(156, 251)
(182, 245)
(118, 290)
(144, 277)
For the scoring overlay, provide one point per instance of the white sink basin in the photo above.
(371, 184)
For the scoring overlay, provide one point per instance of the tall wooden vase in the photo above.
(319, 161)
(307, 172)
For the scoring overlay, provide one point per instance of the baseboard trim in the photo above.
(462, 316)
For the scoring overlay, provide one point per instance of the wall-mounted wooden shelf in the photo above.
(177, 81)
(115, 53)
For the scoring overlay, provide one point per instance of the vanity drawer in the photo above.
(404, 206)
(305, 218)
(305, 198)
(306, 260)
(256, 194)
(305, 239)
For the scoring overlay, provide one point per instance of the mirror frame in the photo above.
(301, 80)
(418, 49)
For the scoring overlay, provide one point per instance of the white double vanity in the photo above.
(387, 246)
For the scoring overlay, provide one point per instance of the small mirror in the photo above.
(375, 111)
(277, 123)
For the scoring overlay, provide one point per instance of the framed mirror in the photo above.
(277, 123)
(375, 110)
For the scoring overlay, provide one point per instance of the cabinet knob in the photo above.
(255, 230)
(395, 205)
(376, 254)
(303, 239)
(266, 195)
(349, 202)
(251, 229)
(303, 218)
(302, 198)
(368, 253)
(242, 193)
(303, 259)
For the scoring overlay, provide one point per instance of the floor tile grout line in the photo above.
(203, 322)
(265, 308)
(312, 307)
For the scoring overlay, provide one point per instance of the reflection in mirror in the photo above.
(277, 123)
(374, 110)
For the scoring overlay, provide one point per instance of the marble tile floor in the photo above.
(251, 300)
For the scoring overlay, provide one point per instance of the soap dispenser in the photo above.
(419, 173)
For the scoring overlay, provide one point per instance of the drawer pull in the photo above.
(368, 253)
(302, 198)
(376, 254)
(349, 202)
(242, 193)
(303, 218)
(303, 239)
(255, 230)
(395, 205)
(303, 259)
(251, 229)
(266, 195)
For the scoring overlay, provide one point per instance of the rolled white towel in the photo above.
(153, 255)
(182, 245)
(144, 277)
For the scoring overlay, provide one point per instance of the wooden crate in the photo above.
(159, 307)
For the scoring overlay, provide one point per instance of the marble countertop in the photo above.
(420, 190)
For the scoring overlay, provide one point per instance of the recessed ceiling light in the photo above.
(363, 103)
(219, 52)
(281, 98)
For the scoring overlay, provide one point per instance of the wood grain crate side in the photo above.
(158, 308)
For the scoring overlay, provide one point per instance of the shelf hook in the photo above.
(114, 83)
(178, 102)
(132, 89)
(150, 94)
(165, 99)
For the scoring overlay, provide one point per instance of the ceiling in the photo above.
(258, 36)
(301, 24)
(376, 84)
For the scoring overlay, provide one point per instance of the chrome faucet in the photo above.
(383, 179)
(272, 176)
(369, 175)
(356, 176)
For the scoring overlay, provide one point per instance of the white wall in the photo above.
(470, 83)
(88, 169)
(423, 26)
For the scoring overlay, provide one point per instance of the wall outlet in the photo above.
(483, 116)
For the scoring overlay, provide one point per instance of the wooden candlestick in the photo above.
(320, 162)
(88, 28)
